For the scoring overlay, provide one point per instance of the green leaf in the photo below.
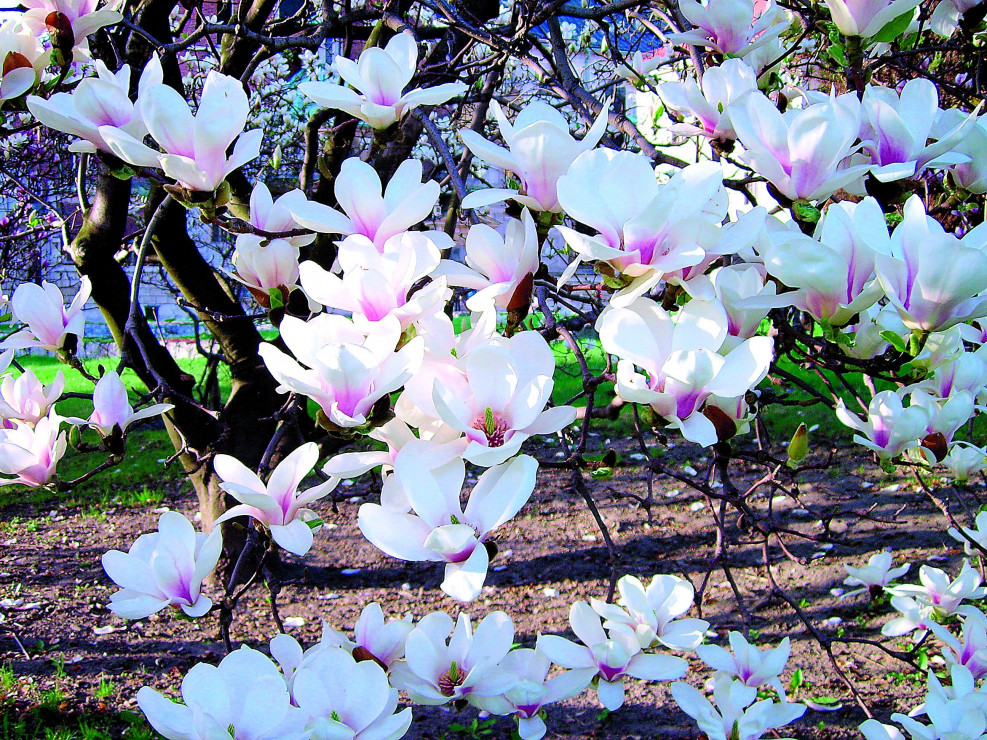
(835, 53)
(798, 678)
(806, 212)
(602, 474)
(277, 300)
(897, 342)
(895, 28)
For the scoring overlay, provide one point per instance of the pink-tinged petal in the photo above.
(127, 571)
(17, 82)
(565, 653)
(435, 95)
(221, 115)
(321, 218)
(110, 402)
(399, 535)
(284, 481)
(489, 152)
(332, 96)
(410, 211)
(500, 493)
(172, 720)
(169, 120)
(656, 667)
(231, 470)
(137, 607)
(487, 197)
(586, 624)
(611, 694)
(295, 537)
(552, 420)
(201, 607)
(464, 581)
(207, 558)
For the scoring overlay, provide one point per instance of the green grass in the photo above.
(141, 479)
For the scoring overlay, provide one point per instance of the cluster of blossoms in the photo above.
(32, 434)
(349, 686)
(686, 280)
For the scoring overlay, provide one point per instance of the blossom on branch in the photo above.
(379, 78)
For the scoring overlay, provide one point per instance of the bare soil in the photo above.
(54, 636)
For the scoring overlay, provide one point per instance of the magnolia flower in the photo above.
(948, 13)
(266, 265)
(31, 452)
(275, 216)
(195, 146)
(379, 284)
(897, 128)
(80, 16)
(346, 698)
(681, 361)
(383, 642)
(978, 535)
(645, 229)
(498, 399)
(932, 293)
(946, 416)
(866, 18)
(342, 368)
(652, 612)
(278, 505)
(245, 696)
(112, 413)
(539, 151)
(380, 77)
(871, 729)
(441, 530)
(99, 101)
(533, 690)
(834, 272)
(890, 427)
(877, 574)
(942, 594)
(912, 616)
(949, 719)
(614, 655)
(751, 666)
(440, 668)
(964, 461)
(730, 26)
(721, 86)
(801, 152)
(26, 398)
(971, 175)
(371, 210)
(638, 65)
(22, 59)
(165, 568)
(746, 298)
(50, 325)
(734, 717)
(439, 448)
(970, 651)
(500, 267)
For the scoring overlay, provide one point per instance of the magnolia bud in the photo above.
(725, 427)
(937, 445)
(62, 38)
(798, 448)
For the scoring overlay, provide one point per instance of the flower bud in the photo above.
(62, 38)
(798, 448)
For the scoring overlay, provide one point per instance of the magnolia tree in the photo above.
(803, 199)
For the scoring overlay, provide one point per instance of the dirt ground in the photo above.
(58, 635)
